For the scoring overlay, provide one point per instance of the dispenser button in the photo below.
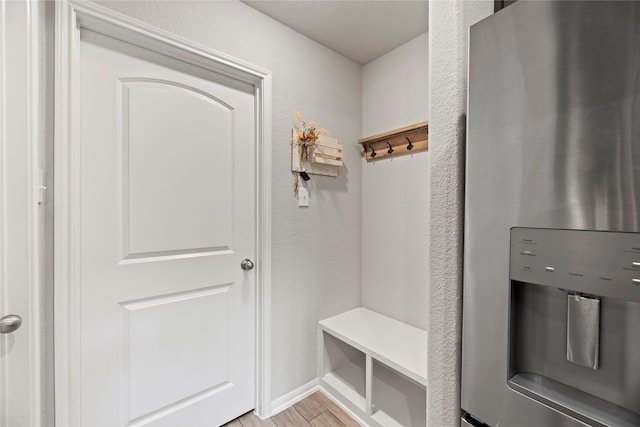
(636, 281)
(551, 269)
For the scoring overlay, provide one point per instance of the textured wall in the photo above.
(448, 27)
(316, 251)
(395, 192)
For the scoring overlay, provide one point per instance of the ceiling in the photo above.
(361, 30)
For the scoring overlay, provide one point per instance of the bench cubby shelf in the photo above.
(376, 366)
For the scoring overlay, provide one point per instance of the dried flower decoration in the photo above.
(307, 134)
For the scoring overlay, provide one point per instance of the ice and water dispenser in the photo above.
(574, 341)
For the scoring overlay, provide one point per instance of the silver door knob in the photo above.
(247, 264)
(9, 323)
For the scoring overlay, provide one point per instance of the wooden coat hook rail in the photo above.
(398, 142)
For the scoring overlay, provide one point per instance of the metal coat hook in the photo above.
(390, 150)
(410, 146)
(373, 152)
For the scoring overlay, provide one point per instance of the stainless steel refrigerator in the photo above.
(551, 308)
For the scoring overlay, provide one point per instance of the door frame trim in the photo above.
(71, 17)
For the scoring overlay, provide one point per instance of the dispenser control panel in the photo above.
(604, 263)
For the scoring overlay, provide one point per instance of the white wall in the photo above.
(395, 192)
(316, 251)
(449, 23)
(395, 88)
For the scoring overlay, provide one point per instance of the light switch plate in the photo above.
(303, 197)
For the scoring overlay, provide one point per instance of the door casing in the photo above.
(71, 17)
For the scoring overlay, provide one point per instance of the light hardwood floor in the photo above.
(316, 410)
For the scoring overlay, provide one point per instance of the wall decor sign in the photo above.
(313, 151)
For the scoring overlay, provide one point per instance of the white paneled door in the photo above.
(21, 349)
(166, 216)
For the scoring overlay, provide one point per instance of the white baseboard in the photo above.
(346, 409)
(293, 397)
